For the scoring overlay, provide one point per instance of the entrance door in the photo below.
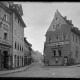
(5, 59)
(65, 60)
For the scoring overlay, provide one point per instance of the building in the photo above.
(11, 35)
(27, 52)
(18, 26)
(5, 36)
(37, 56)
(62, 45)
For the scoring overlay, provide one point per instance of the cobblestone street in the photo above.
(38, 70)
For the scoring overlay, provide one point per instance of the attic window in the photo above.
(53, 26)
(56, 18)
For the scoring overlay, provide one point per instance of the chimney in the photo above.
(65, 17)
(70, 21)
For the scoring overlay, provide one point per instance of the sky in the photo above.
(39, 15)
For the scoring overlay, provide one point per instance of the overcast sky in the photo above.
(38, 17)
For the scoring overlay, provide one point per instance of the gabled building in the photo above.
(62, 45)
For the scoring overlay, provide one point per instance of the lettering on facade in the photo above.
(58, 43)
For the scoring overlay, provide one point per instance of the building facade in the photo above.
(18, 26)
(5, 36)
(62, 45)
(27, 52)
(11, 35)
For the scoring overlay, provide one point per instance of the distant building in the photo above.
(27, 52)
(62, 45)
(37, 56)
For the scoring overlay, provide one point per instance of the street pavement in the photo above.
(39, 70)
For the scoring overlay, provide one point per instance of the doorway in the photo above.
(5, 59)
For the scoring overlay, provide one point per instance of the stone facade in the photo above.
(59, 47)
(27, 52)
(18, 26)
(5, 37)
(11, 35)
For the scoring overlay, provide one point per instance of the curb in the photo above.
(14, 71)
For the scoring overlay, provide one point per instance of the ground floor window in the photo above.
(54, 52)
(18, 61)
(59, 51)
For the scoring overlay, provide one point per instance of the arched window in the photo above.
(50, 39)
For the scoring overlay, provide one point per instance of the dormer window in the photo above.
(56, 18)
(53, 26)
(50, 39)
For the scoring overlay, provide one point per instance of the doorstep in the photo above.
(16, 69)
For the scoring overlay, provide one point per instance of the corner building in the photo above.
(62, 45)
(5, 37)
(18, 26)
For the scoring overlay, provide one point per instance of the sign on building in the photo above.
(58, 43)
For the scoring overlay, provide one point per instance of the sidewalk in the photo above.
(78, 65)
(15, 70)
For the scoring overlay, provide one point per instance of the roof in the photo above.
(67, 21)
(75, 30)
(12, 8)
(27, 42)
(61, 20)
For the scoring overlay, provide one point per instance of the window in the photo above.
(18, 61)
(6, 16)
(56, 18)
(20, 47)
(15, 32)
(5, 35)
(15, 45)
(54, 51)
(59, 51)
(53, 26)
(50, 39)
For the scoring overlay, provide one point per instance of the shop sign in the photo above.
(66, 42)
(60, 43)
